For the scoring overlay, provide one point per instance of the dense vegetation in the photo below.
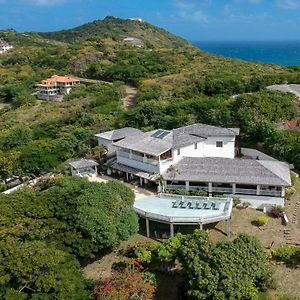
(43, 233)
(237, 269)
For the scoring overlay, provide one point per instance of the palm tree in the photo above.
(173, 171)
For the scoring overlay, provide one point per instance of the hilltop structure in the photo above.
(5, 46)
(55, 87)
(197, 157)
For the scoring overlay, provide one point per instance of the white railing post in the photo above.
(233, 188)
(258, 190)
(187, 185)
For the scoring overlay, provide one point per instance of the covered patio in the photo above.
(84, 167)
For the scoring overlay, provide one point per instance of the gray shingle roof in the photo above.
(83, 163)
(177, 138)
(227, 170)
(117, 134)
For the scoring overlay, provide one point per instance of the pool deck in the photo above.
(160, 209)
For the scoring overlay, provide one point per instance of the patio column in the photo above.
(130, 154)
(171, 229)
(141, 181)
(282, 191)
(96, 170)
(258, 190)
(233, 188)
(144, 158)
(127, 176)
(147, 227)
(210, 189)
(201, 226)
(187, 185)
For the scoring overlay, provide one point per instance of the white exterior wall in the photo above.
(227, 151)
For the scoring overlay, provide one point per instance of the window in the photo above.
(195, 146)
(178, 151)
(219, 144)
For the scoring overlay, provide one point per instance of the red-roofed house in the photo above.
(55, 87)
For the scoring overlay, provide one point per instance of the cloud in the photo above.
(192, 11)
(289, 4)
(44, 2)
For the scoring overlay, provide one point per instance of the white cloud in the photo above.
(192, 11)
(289, 4)
(44, 2)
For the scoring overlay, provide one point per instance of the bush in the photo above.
(246, 204)
(285, 253)
(289, 192)
(182, 192)
(199, 192)
(277, 212)
(262, 220)
(236, 201)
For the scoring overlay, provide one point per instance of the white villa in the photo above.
(197, 157)
(55, 87)
(4, 46)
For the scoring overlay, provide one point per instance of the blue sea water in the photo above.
(286, 53)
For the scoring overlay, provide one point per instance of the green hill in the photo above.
(118, 29)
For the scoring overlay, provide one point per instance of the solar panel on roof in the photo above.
(157, 133)
(165, 133)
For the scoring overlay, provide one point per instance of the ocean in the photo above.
(286, 53)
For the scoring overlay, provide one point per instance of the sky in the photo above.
(195, 20)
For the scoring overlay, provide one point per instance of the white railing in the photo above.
(245, 191)
(270, 193)
(175, 186)
(222, 190)
(138, 158)
(197, 187)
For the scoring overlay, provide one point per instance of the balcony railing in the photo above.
(138, 158)
(222, 190)
(270, 193)
(246, 191)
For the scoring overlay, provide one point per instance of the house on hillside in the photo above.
(134, 41)
(55, 87)
(140, 20)
(199, 157)
(4, 46)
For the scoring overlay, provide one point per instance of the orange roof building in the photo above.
(55, 87)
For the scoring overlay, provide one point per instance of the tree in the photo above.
(8, 163)
(227, 270)
(34, 269)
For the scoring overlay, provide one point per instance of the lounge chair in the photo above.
(177, 203)
(184, 204)
(193, 204)
(208, 205)
(200, 205)
(217, 205)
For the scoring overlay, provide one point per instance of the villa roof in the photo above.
(83, 163)
(159, 141)
(227, 170)
(118, 134)
(56, 78)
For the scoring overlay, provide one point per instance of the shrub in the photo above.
(289, 192)
(285, 253)
(277, 212)
(129, 283)
(246, 204)
(182, 192)
(262, 220)
(199, 192)
(236, 201)
(143, 254)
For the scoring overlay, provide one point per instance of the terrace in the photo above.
(183, 210)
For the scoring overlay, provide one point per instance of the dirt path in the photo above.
(130, 100)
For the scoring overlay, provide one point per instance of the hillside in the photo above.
(118, 29)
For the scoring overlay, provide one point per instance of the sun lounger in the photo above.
(193, 204)
(177, 203)
(200, 205)
(208, 205)
(217, 205)
(184, 204)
